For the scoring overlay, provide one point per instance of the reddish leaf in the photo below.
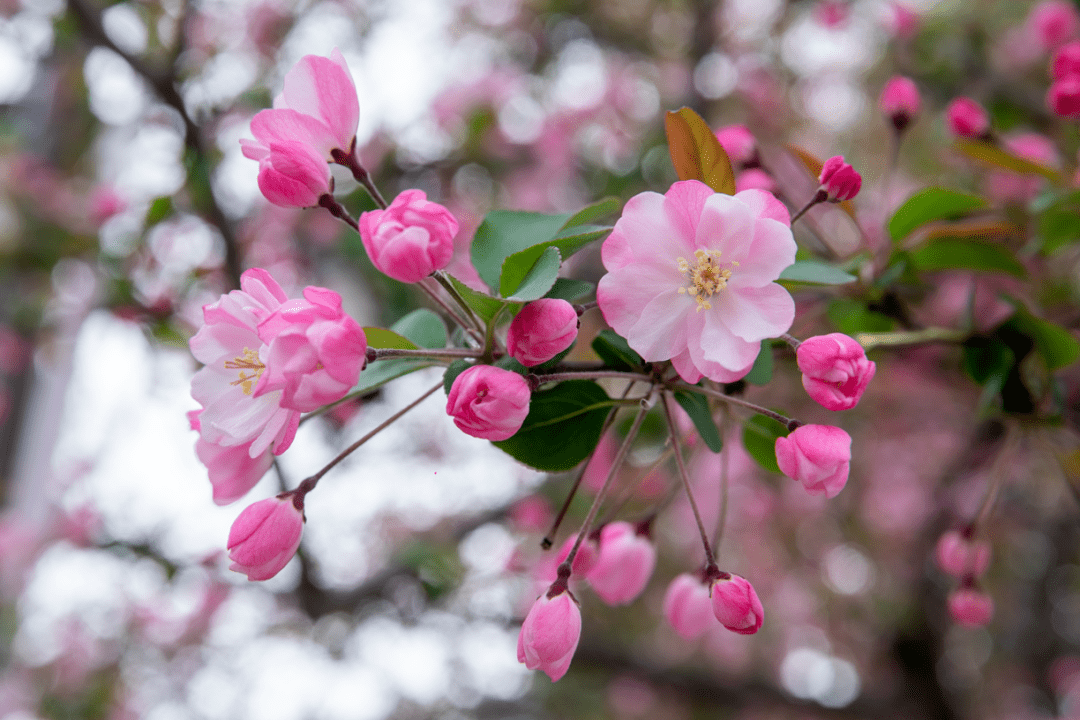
(696, 153)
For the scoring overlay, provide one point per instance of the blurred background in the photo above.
(126, 205)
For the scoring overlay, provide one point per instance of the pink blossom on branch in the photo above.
(967, 118)
(818, 456)
(739, 144)
(1066, 61)
(265, 536)
(1063, 97)
(688, 606)
(1053, 22)
(291, 174)
(584, 559)
(900, 101)
(323, 89)
(625, 564)
(691, 278)
(835, 370)
(542, 330)
(962, 556)
(550, 634)
(232, 469)
(839, 180)
(488, 402)
(411, 238)
(970, 606)
(736, 605)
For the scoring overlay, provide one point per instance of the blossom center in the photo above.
(249, 360)
(706, 276)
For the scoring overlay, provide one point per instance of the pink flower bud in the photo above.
(839, 179)
(549, 636)
(739, 144)
(410, 239)
(323, 88)
(1054, 22)
(970, 606)
(291, 174)
(961, 556)
(688, 607)
(900, 101)
(542, 330)
(818, 456)
(488, 402)
(1066, 61)
(967, 119)
(754, 179)
(586, 556)
(1063, 98)
(835, 370)
(624, 566)
(265, 536)
(736, 605)
(315, 353)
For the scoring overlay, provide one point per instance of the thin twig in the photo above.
(710, 560)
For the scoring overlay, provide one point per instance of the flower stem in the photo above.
(591, 375)
(869, 341)
(338, 210)
(725, 456)
(443, 353)
(997, 476)
(431, 293)
(709, 559)
(309, 483)
(791, 340)
(442, 278)
(819, 197)
(789, 423)
(351, 161)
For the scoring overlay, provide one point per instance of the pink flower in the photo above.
(315, 351)
(818, 456)
(232, 469)
(104, 203)
(1064, 97)
(903, 21)
(234, 359)
(967, 119)
(542, 330)
(624, 566)
(410, 239)
(1066, 61)
(266, 535)
(839, 179)
(962, 556)
(549, 636)
(323, 88)
(970, 606)
(736, 605)
(586, 556)
(688, 607)
(835, 370)
(755, 179)
(900, 101)
(488, 402)
(291, 174)
(690, 278)
(739, 144)
(1053, 22)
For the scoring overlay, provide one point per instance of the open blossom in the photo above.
(550, 634)
(967, 118)
(542, 330)
(840, 180)
(818, 456)
(690, 278)
(232, 470)
(234, 359)
(624, 566)
(314, 351)
(323, 89)
(688, 606)
(736, 605)
(265, 536)
(488, 402)
(835, 370)
(411, 238)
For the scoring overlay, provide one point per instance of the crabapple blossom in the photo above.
(232, 469)
(754, 179)
(690, 278)
(1063, 97)
(688, 606)
(585, 558)
(1066, 61)
(967, 118)
(961, 556)
(839, 180)
(265, 536)
(315, 351)
(625, 563)
(818, 456)
(488, 402)
(970, 606)
(542, 330)
(411, 238)
(736, 604)
(835, 370)
(739, 144)
(323, 89)
(550, 634)
(1053, 22)
(900, 101)
(291, 174)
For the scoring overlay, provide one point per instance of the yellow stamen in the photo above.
(706, 277)
(249, 360)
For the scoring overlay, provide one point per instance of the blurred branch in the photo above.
(163, 82)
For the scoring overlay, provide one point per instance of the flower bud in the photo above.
(839, 179)
(1066, 61)
(818, 456)
(900, 101)
(688, 607)
(1063, 97)
(291, 174)
(1053, 22)
(584, 559)
(624, 566)
(265, 536)
(549, 636)
(970, 606)
(739, 144)
(967, 118)
(962, 556)
(488, 402)
(736, 605)
(835, 370)
(542, 330)
(754, 179)
(410, 239)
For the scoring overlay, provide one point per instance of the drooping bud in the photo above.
(1066, 61)
(818, 456)
(962, 556)
(688, 607)
(550, 634)
(835, 370)
(488, 402)
(265, 536)
(970, 606)
(1063, 97)
(625, 564)
(839, 180)
(736, 605)
(584, 559)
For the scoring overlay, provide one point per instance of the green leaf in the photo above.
(761, 373)
(483, 305)
(527, 276)
(934, 203)
(950, 253)
(160, 209)
(562, 428)
(759, 437)
(505, 232)
(1056, 344)
(852, 317)
(601, 208)
(570, 289)
(380, 338)
(380, 372)
(1059, 225)
(567, 243)
(984, 359)
(696, 153)
(616, 352)
(456, 368)
(817, 273)
(697, 407)
(422, 327)
(990, 154)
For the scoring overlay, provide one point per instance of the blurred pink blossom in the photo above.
(625, 563)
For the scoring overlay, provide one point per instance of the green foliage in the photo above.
(569, 289)
(422, 329)
(759, 437)
(456, 368)
(814, 272)
(563, 426)
(382, 338)
(1059, 225)
(955, 254)
(996, 156)
(483, 305)
(528, 275)
(697, 407)
(762, 371)
(616, 352)
(929, 204)
(853, 316)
